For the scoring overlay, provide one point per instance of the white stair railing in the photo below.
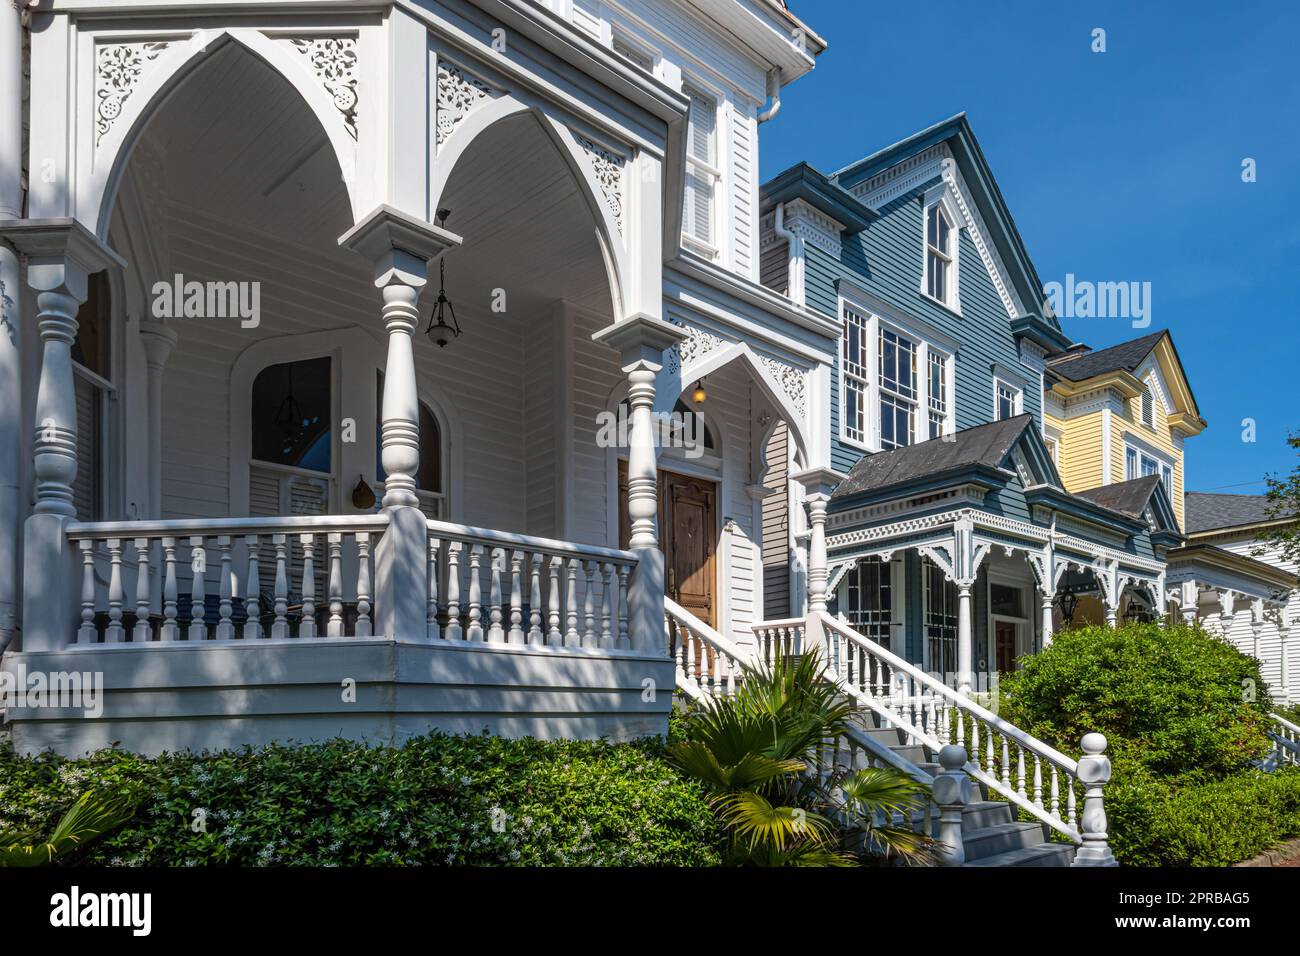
(1027, 772)
(710, 666)
(1286, 739)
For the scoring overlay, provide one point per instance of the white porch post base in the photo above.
(402, 576)
(51, 579)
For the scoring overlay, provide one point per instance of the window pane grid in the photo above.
(940, 620)
(870, 599)
(855, 376)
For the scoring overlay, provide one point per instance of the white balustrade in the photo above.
(208, 551)
(1286, 739)
(569, 595)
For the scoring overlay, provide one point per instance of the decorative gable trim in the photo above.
(937, 163)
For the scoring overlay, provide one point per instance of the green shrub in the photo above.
(438, 800)
(1155, 822)
(1168, 699)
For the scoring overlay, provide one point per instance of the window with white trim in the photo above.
(940, 620)
(1138, 464)
(1053, 449)
(1006, 399)
(898, 389)
(937, 394)
(938, 253)
(702, 173)
(869, 599)
(854, 367)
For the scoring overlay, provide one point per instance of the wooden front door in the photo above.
(688, 535)
(1004, 638)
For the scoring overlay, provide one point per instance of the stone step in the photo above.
(1045, 854)
(1001, 838)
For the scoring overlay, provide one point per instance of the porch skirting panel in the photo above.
(189, 698)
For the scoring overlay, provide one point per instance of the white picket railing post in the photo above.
(1094, 774)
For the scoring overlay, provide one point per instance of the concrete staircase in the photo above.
(991, 833)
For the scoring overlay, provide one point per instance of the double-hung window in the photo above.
(1006, 399)
(869, 596)
(938, 253)
(701, 168)
(1138, 464)
(937, 394)
(898, 389)
(855, 376)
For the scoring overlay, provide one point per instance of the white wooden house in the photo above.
(231, 454)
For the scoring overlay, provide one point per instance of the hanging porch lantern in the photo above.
(440, 331)
(699, 395)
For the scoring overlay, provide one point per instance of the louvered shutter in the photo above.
(85, 486)
(697, 216)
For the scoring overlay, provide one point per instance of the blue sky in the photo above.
(1118, 166)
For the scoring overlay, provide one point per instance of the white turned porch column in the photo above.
(11, 323)
(966, 561)
(1284, 653)
(1188, 595)
(159, 341)
(640, 342)
(1045, 603)
(1256, 626)
(818, 484)
(400, 247)
(62, 255)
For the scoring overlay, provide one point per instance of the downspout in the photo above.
(773, 96)
(11, 207)
(794, 264)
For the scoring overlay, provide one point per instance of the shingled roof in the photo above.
(1207, 512)
(1127, 497)
(983, 445)
(1127, 356)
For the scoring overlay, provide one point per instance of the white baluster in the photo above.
(553, 604)
(608, 595)
(675, 643)
(1020, 772)
(475, 630)
(624, 641)
(114, 633)
(1055, 785)
(589, 606)
(1038, 782)
(516, 597)
(363, 628)
(86, 632)
(535, 600)
(307, 623)
(225, 589)
(252, 591)
(143, 632)
(453, 591)
(571, 638)
(1006, 764)
(334, 541)
(1071, 818)
(280, 626)
(432, 631)
(170, 630)
(198, 569)
(495, 631)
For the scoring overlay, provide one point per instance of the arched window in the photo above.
(292, 451)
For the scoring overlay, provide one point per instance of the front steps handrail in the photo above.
(1286, 738)
(930, 725)
(703, 680)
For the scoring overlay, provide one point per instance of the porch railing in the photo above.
(225, 579)
(496, 586)
(1037, 778)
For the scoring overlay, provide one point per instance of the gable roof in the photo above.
(985, 446)
(1209, 512)
(1127, 356)
(978, 175)
(1127, 497)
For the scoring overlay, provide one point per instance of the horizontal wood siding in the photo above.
(1080, 451)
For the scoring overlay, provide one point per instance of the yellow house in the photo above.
(1120, 413)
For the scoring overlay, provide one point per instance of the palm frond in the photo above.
(91, 816)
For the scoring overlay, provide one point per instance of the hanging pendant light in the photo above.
(289, 418)
(439, 331)
(699, 394)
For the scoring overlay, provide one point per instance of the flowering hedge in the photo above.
(438, 800)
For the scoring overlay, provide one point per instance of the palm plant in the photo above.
(91, 816)
(756, 752)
